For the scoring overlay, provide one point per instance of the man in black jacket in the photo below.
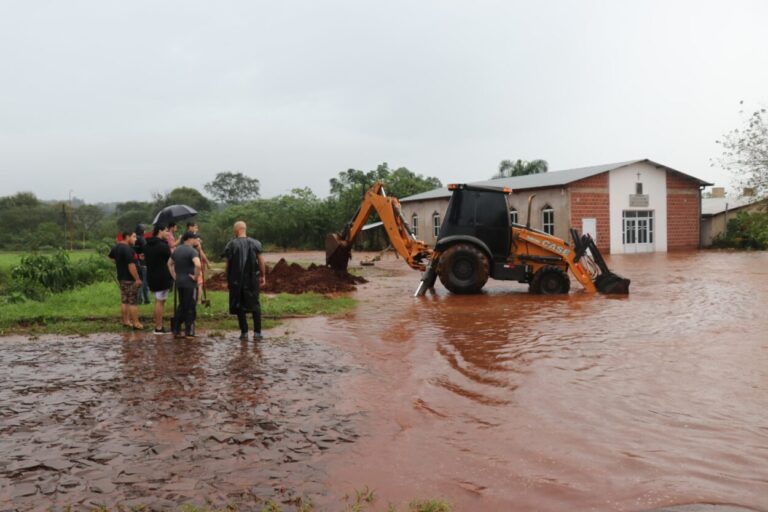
(156, 255)
(246, 274)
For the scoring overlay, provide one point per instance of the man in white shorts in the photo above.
(156, 255)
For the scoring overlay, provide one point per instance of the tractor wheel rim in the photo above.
(463, 269)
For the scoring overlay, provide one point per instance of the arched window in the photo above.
(548, 220)
(513, 216)
(415, 224)
(436, 224)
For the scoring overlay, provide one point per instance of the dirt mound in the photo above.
(293, 278)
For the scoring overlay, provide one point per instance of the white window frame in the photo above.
(514, 216)
(548, 225)
(415, 224)
(436, 224)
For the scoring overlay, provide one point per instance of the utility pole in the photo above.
(69, 220)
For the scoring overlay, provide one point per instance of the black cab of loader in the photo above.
(480, 216)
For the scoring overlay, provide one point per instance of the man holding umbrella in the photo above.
(169, 216)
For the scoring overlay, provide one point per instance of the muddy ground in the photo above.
(502, 401)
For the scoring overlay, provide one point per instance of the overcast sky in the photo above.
(114, 100)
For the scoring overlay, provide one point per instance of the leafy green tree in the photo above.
(745, 152)
(233, 188)
(19, 200)
(183, 195)
(509, 169)
(20, 217)
(47, 234)
(134, 206)
(129, 220)
(348, 187)
(86, 218)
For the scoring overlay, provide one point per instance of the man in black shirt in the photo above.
(245, 275)
(156, 255)
(128, 279)
(184, 266)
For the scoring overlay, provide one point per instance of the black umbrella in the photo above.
(174, 213)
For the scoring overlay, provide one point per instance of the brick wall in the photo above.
(589, 199)
(683, 216)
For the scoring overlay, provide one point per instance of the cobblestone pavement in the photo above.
(143, 420)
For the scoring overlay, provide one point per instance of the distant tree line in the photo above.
(299, 219)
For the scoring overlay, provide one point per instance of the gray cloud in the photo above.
(116, 99)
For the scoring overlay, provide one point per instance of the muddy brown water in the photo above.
(502, 401)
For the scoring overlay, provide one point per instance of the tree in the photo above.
(745, 152)
(183, 195)
(348, 187)
(509, 169)
(233, 188)
(401, 182)
(20, 216)
(86, 218)
(133, 206)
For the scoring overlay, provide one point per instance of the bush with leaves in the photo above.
(745, 231)
(37, 276)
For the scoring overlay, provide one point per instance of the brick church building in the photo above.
(627, 207)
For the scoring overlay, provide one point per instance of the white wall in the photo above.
(621, 183)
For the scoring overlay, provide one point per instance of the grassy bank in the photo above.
(96, 308)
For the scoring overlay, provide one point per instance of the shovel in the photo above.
(206, 302)
(173, 316)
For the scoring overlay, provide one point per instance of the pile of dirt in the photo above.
(293, 278)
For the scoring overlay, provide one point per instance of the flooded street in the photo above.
(502, 401)
(508, 401)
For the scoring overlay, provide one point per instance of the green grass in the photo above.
(8, 259)
(96, 308)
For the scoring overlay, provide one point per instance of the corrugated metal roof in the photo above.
(715, 205)
(543, 180)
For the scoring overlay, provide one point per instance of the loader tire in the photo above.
(550, 281)
(463, 268)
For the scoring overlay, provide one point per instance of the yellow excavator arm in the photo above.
(338, 246)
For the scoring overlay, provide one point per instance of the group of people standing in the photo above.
(163, 265)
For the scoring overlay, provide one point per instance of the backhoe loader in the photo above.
(477, 240)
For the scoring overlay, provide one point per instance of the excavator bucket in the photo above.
(606, 281)
(611, 283)
(337, 252)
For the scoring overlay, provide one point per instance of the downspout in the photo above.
(701, 223)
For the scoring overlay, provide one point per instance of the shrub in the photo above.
(37, 276)
(745, 231)
(53, 273)
(93, 269)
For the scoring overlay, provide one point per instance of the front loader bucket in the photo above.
(337, 252)
(611, 283)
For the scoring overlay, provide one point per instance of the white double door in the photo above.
(637, 231)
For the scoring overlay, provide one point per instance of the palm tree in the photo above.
(508, 168)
